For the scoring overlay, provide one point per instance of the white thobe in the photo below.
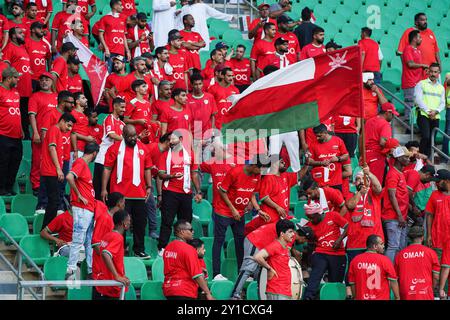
(163, 21)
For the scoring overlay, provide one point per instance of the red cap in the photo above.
(262, 5)
(48, 75)
(390, 144)
(389, 107)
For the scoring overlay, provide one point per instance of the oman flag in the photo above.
(96, 69)
(298, 97)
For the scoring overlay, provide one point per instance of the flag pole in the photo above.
(362, 147)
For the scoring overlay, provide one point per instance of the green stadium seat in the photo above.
(388, 53)
(135, 271)
(247, 44)
(343, 40)
(420, 6)
(37, 223)
(299, 211)
(213, 34)
(323, 11)
(377, 34)
(130, 294)
(220, 27)
(202, 210)
(228, 269)
(231, 36)
(359, 20)
(26, 147)
(389, 17)
(393, 76)
(152, 290)
(331, 29)
(2, 206)
(151, 247)
(102, 117)
(15, 225)
(293, 198)
(197, 226)
(231, 249)
(379, 3)
(209, 241)
(352, 30)
(333, 291)
(204, 56)
(340, 17)
(252, 291)
(24, 204)
(228, 235)
(37, 248)
(82, 293)
(345, 10)
(209, 194)
(221, 290)
(24, 171)
(55, 268)
(209, 268)
(158, 270)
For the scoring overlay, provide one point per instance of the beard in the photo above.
(130, 143)
(20, 41)
(320, 41)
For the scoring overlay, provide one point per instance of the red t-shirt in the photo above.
(144, 46)
(395, 180)
(343, 124)
(96, 132)
(75, 83)
(181, 268)
(263, 236)
(159, 106)
(221, 95)
(370, 100)
(242, 71)
(377, 128)
(129, 8)
(239, 187)
(110, 125)
(10, 118)
(18, 58)
(415, 266)
(202, 109)
(274, 59)
(119, 82)
(261, 49)
(80, 127)
(138, 110)
(62, 23)
(371, 59)
(39, 52)
(83, 181)
(436, 206)
(413, 181)
(4, 27)
(180, 65)
(335, 147)
(311, 51)
(327, 232)
(103, 224)
(176, 119)
(335, 199)
(40, 103)
(113, 244)
(126, 186)
(83, 6)
(410, 77)
(41, 10)
(13, 24)
(294, 45)
(277, 189)
(52, 118)
(193, 55)
(279, 260)
(114, 33)
(53, 137)
(218, 170)
(60, 69)
(370, 272)
(176, 166)
(255, 22)
(429, 45)
(128, 92)
(62, 225)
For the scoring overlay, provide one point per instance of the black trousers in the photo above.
(97, 180)
(98, 296)
(52, 187)
(24, 116)
(136, 209)
(426, 126)
(10, 157)
(350, 141)
(173, 204)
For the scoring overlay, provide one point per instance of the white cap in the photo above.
(401, 151)
(367, 76)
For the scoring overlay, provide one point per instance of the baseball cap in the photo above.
(367, 76)
(304, 231)
(332, 44)
(47, 75)
(138, 59)
(119, 57)
(428, 168)
(10, 72)
(262, 5)
(74, 60)
(391, 143)
(141, 16)
(221, 45)
(68, 46)
(401, 151)
(280, 41)
(36, 24)
(442, 174)
(389, 107)
(175, 36)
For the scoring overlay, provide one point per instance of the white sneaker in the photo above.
(220, 277)
(39, 211)
(161, 252)
(249, 279)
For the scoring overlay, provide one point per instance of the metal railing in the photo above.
(433, 144)
(69, 284)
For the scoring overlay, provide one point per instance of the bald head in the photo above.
(130, 135)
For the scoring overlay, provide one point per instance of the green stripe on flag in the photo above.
(294, 118)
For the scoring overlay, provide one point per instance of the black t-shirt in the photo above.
(304, 33)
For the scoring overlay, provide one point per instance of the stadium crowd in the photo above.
(159, 142)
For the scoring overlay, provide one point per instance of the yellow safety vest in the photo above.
(431, 96)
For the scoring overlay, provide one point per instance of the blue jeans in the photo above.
(396, 238)
(150, 208)
(221, 224)
(83, 225)
(447, 131)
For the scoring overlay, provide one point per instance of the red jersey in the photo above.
(134, 34)
(194, 56)
(370, 100)
(139, 110)
(54, 137)
(158, 107)
(279, 61)
(128, 92)
(118, 82)
(96, 132)
(83, 6)
(62, 225)
(83, 181)
(126, 186)
(4, 27)
(371, 272)
(113, 244)
(240, 188)
(114, 29)
(294, 45)
(129, 8)
(311, 51)
(343, 124)
(42, 10)
(40, 103)
(176, 166)
(10, 118)
(279, 260)
(60, 69)
(327, 232)
(52, 119)
(242, 71)
(263, 236)
(176, 119)
(179, 63)
(428, 47)
(415, 266)
(21, 25)
(276, 188)
(39, 52)
(395, 180)
(377, 128)
(202, 109)
(334, 147)
(221, 95)
(103, 224)
(372, 59)
(259, 33)
(333, 198)
(437, 206)
(110, 125)
(181, 268)
(75, 83)
(18, 58)
(261, 49)
(411, 77)
(80, 127)
(62, 24)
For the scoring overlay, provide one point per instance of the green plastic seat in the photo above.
(228, 269)
(36, 248)
(221, 290)
(130, 294)
(333, 291)
(202, 211)
(345, 10)
(231, 249)
(2, 206)
(25, 204)
(158, 270)
(55, 268)
(299, 211)
(231, 36)
(393, 76)
(37, 223)
(209, 194)
(135, 271)
(204, 56)
(221, 27)
(83, 293)
(151, 247)
(252, 291)
(24, 171)
(332, 29)
(102, 117)
(15, 225)
(293, 198)
(247, 44)
(197, 227)
(152, 290)
(208, 242)
(343, 40)
(26, 149)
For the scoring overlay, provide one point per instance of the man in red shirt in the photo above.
(183, 274)
(179, 62)
(80, 133)
(209, 73)
(316, 47)
(95, 130)
(241, 69)
(262, 48)
(256, 28)
(279, 58)
(112, 251)
(327, 157)
(140, 38)
(39, 52)
(372, 96)
(277, 256)
(60, 68)
(44, 9)
(115, 82)
(371, 54)
(82, 199)
(396, 204)
(138, 110)
(74, 81)
(347, 128)
(378, 131)
(59, 231)
(4, 31)
(413, 69)
(417, 267)
(10, 131)
(177, 170)
(127, 169)
(192, 41)
(371, 274)
(18, 20)
(178, 116)
(284, 32)
(329, 254)
(52, 164)
(83, 8)
(329, 198)
(164, 100)
(420, 189)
